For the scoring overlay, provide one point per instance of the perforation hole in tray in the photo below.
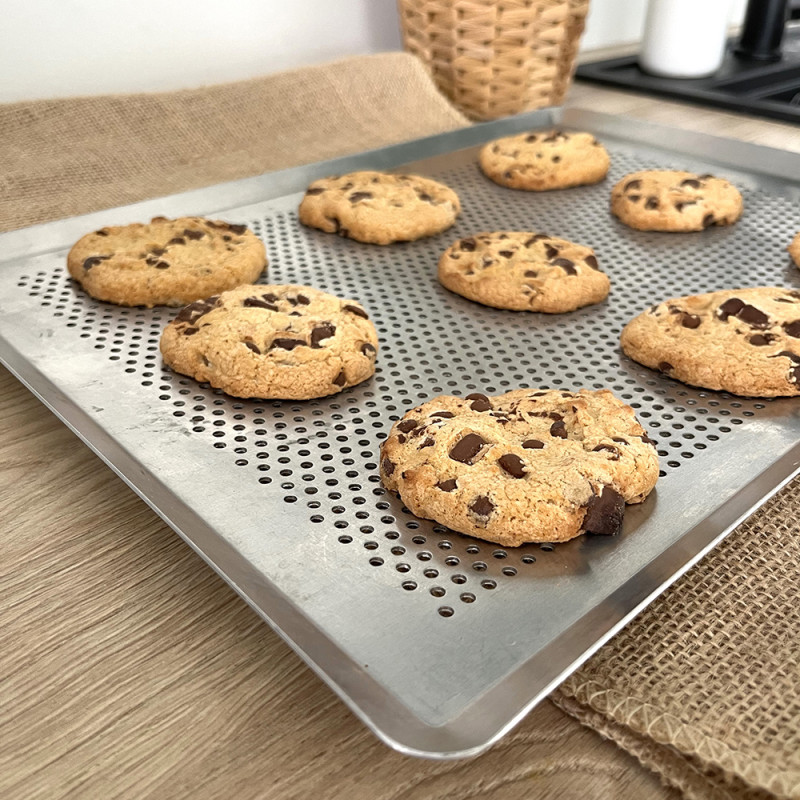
(322, 454)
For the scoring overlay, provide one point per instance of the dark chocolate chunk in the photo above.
(690, 321)
(651, 203)
(425, 197)
(443, 414)
(550, 251)
(730, 308)
(558, 429)
(320, 332)
(238, 230)
(695, 184)
(610, 448)
(158, 251)
(190, 331)
(619, 439)
(634, 184)
(257, 302)
(190, 234)
(795, 359)
(565, 264)
(753, 317)
(286, 344)
(302, 300)
(708, 220)
(177, 240)
(368, 350)
(506, 253)
(340, 379)
(101, 232)
(161, 265)
(407, 425)
(513, 465)
(647, 440)
(531, 137)
(93, 261)
(529, 273)
(468, 244)
(315, 190)
(254, 347)
(199, 308)
(761, 339)
(592, 262)
(427, 442)
(537, 238)
(357, 196)
(665, 366)
(480, 402)
(482, 506)
(533, 444)
(681, 204)
(359, 312)
(387, 464)
(555, 415)
(554, 136)
(448, 485)
(467, 448)
(604, 512)
(792, 329)
(634, 198)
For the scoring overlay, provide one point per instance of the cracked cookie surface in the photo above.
(544, 160)
(523, 271)
(166, 262)
(673, 200)
(273, 341)
(526, 466)
(744, 341)
(379, 207)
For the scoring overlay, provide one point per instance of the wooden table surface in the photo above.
(129, 669)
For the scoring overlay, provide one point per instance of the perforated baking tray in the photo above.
(440, 643)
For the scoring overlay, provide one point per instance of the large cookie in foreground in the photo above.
(676, 201)
(284, 342)
(379, 207)
(523, 272)
(526, 466)
(166, 262)
(544, 160)
(744, 341)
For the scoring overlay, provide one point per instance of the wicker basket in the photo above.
(493, 58)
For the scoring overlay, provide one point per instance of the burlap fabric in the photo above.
(704, 686)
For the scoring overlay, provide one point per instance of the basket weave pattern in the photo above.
(494, 58)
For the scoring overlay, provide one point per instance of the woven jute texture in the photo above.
(704, 686)
(59, 158)
(493, 58)
(705, 683)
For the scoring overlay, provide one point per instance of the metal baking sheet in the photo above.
(438, 642)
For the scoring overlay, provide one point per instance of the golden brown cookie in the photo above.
(672, 200)
(285, 342)
(523, 271)
(744, 341)
(167, 262)
(543, 160)
(379, 207)
(794, 250)
(526, 466)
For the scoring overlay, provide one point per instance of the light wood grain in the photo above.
(129, 669)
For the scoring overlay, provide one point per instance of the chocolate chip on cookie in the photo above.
(166, 262)
(539, 466)
(540, 161)
(742, 341)
(379, 207)
(280, 341)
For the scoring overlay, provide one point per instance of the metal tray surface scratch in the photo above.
(438, 642)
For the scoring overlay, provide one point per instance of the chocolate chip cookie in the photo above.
(542, 160)
(280, 342)
(523, 272)
(744, 341)
(167, 262)
(671, 200)
(794, 250)
(526, 466)
(379, 207)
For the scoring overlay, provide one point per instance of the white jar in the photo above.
(685, 38)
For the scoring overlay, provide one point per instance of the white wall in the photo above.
(57, 48)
